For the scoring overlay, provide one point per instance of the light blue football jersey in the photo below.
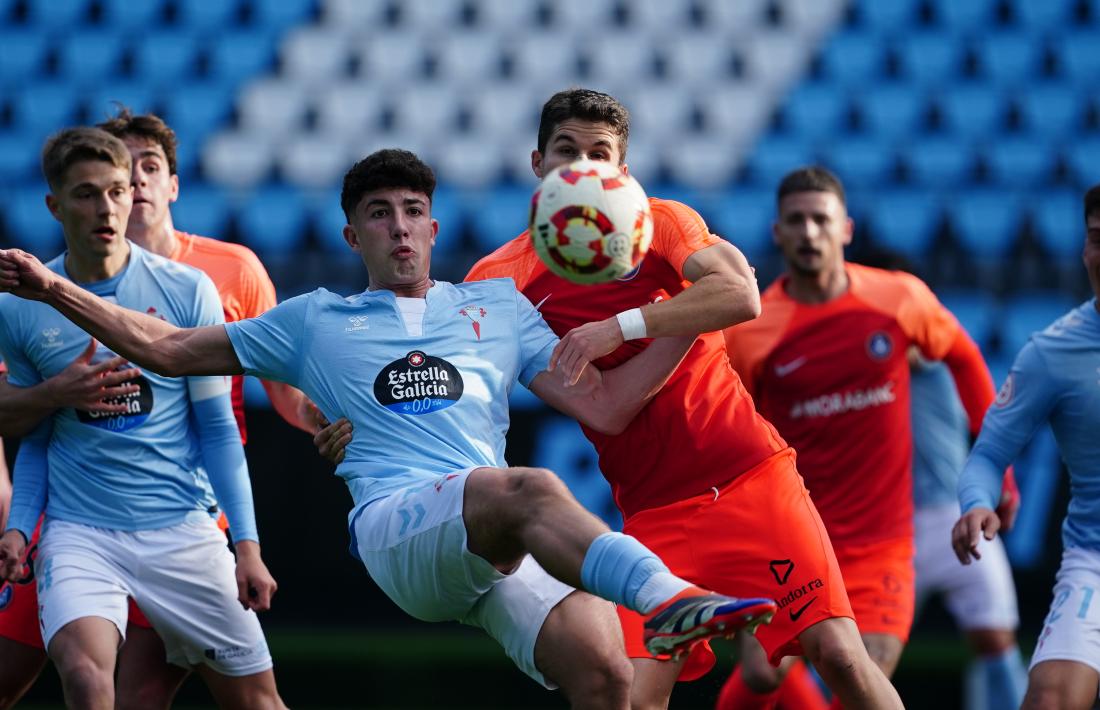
(1056, 378)
(135, 471)
(941, 435)
(421, 405)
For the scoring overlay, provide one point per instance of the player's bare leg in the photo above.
(84, 653)
(653, 682)
(1061, 685)
(580, 648)
(247, 692)
(20, 666)
(836, 650)
(146, 681)
(885, 650)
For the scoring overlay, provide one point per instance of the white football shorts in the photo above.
(1071, 631)
(413, 544)
(182, 577)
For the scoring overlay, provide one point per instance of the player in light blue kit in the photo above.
(129, 498)
(1056, 379)
(422, 370)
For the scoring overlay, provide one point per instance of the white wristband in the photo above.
(632, 323)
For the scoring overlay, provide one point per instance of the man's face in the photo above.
(1091, 253)
(393, 231)
(154, 188)
(93, 205)
(812, 230)
(577, 140)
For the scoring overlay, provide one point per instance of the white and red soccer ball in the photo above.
(590, 222)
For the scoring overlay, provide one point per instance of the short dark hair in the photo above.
(812, 178)
(382, 169)
(586, 105)
(73, 145)
(148, 126)
(1092, 202)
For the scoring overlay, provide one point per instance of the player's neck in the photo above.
(83, 270)
(160, 239)
(820, 287)
(417, 290)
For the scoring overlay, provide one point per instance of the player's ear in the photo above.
(53, 206)
(435, 230)
(173, 188)
(849, 230)
(625, 168)
(536, 164)
(351, 238)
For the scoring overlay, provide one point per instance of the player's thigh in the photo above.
(87, 644)
(146, 680)
(255, 691)
(880, 582)
(1071, 630)
(1061, 685)
(20, 665)
(415, 546)
(188, 590)
(885, 650)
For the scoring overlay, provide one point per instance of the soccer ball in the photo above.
(590, 223)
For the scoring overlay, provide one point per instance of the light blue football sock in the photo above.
(998, 681)
(620, 569)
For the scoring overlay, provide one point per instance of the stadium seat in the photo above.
(928, 58)
(620, 58)
(166, 58)
(905, 220)
(976, 310)
(1050, 109)
(236, 159)
(702, 57)
(312, 159)
(25, 51)
(388, 57)
(273, 220)
(18, 162)
(774, 59)
(892, 110)
(352, 15)
(240, 55)
(425, 109)
(429, 15)
(1010, 59)
(197, 109)
(497, 215)
(328, 219)
(502, 15)
(854, 59)
(563, 448)
(569, 14)
(733, 17)
(861, 161)
(938, 161)
(1077, 56)
(1083, 158)
(282, 14)
(897, 16)
(29, 224)
(973, 110)
(204, 16)
(1028, 312)
(969, 16)
(58, 14)
(701, 161)
(659, 112)
(1056, 219)
(349, 108)
(90, 56)
(544, 57)
(504, 109)
(1018, 161)
(816, 110)
(650, 14)
(201, 209)
(643, 156)
(986, 222)
(809, 19)
(744, 217)
(734, 113)
(273, 107)
(468, 57)
(775, 156)
(448, 208)
(129, 15)
(1043, 15)
(315, 54)
(465, 162)
(188, 153)
(103, 102)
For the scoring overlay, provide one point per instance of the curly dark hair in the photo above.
(148, 126)
(387, 168)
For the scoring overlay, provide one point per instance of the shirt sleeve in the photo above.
(28, 496)
(925, 320)
(269, 346)
(536, 340)
(223, 459)
(1024, 402)
(21, 371)
(678, 232)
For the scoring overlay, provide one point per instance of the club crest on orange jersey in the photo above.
(879, 345)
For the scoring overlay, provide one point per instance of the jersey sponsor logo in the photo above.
(418, 384)
(781, 570)
(798, 593)
(51, 338)
(357, 323)
(1007, 391)
(879, 345)
(828, 405)
(139, 405)
(789, 367)
(222, 654)
(476, 314)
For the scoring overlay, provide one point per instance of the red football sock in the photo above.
(736, 695)
(835, 705)
(800, 690)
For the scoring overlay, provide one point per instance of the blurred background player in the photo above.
(827, 363)
(1055, 379)
(716, 465)
(483, 534)
(131, 486)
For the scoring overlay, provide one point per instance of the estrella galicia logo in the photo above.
(138, 407)
(6, 593)
(781, 570)
(417, 384)
(879, 345)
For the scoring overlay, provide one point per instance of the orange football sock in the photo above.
(736, 695)
(800, 691)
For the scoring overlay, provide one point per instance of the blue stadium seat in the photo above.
(281, 14)
(241, 55)
(57, 14)
(166, 57)
(905, 220)
(197, 109)
(929, 58)
(892, 110)
(273, 220)
(1077, 55)
(816, 110)
(986, 222)
(861, 161)
(1026, 313)
(1010, 58)
(44, 107)
(1083, 157)
(19, 160)
(888, 17)
(90, 56)
(976, 310)
(103, 102)
(449, 209)
(744, 217)
(775, 156)
(1043, 15)
(188, 152)
(328, 223)
(854, 58)
(563, 448)
(204, 16)
(938, 161)
(498, 215)
(201, 209)
(127, 14)
(29, 224)
(973, 110)
(1019, 161)
(1056, 218)
(971, 15)
(25, 52)
(1051, 109)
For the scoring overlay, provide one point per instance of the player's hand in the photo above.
(1009, 504)
(584, 344)
(88, 387)
(12, 548)
(24, 275)
(332, 439)
(968, 531)
(255, 585)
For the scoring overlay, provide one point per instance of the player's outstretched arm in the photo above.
(5, 489)
(28, 499)
(294, 407)
(147, 341)
(607, 401)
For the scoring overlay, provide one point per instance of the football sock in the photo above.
(737, 695)
(620, 569)
(997, 681)
(800, 690)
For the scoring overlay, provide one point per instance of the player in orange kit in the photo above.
(699, 476)
(827, 363)
(145, 679)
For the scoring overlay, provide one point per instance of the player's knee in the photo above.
(86, 682)
(834, 651)
(1045, 697)
(604, 681)
(761, 678)
(534, 487)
